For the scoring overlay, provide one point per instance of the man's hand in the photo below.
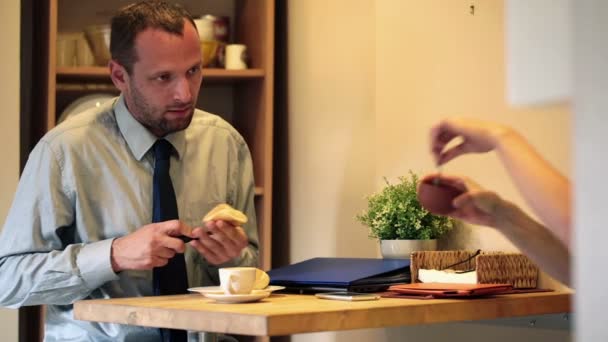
(150, 246)
(219, 241)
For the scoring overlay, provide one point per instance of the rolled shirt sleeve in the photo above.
(40, 260)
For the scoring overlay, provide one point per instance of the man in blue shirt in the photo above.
(81, 222)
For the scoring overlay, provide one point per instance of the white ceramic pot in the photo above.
(402, 249)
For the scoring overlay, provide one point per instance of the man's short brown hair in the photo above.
(137, 17)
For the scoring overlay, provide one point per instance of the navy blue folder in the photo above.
(342, 274)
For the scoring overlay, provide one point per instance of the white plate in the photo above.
(218, 290)
(83, 103)
(238, 298)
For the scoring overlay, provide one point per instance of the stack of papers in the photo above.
(447, 277)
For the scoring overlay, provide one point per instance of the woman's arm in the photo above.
(546, 190)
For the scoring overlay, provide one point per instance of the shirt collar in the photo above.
(138, 138)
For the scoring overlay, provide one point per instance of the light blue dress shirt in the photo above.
(88, 181)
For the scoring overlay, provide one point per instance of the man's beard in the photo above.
(153, 118)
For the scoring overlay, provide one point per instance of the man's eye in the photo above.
(163, 77)
(194, 70)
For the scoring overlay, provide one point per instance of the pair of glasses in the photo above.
(462, 262)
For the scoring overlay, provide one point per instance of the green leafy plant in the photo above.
(394, 213)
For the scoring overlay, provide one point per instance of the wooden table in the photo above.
(286, 314)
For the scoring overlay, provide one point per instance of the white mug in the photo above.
(236, 57)
(237, 280)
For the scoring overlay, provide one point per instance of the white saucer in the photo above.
(238, 298)
(218, 290)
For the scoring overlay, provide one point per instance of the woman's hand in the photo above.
(476, 136)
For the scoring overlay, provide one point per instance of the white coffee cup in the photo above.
(236, 57)
(237, 280)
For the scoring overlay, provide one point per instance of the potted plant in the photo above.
(396, 218)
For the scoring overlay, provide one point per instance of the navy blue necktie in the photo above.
(171, 278)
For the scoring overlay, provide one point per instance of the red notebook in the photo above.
(441, 290)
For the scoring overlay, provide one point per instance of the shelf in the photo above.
(223, 74)
(102, 74)
(67, 88)
(83, 72)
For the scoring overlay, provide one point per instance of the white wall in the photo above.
(591, 165)
(438, 61)
(9, 121)
(366, 80)
(331, 99)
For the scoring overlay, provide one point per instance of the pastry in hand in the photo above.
(226, 213)
(261, 279)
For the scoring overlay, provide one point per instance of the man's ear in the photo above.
(119, 75)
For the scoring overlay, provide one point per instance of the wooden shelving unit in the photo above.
(250, 92)
(95, 73)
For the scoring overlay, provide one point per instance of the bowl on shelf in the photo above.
(209, 51)
(98, 37)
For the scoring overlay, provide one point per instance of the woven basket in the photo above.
(492, 267)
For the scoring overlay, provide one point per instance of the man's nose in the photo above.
(182, 91)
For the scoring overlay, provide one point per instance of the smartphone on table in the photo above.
(348, 296)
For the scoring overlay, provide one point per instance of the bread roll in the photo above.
(227, 213)
(261, 280)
